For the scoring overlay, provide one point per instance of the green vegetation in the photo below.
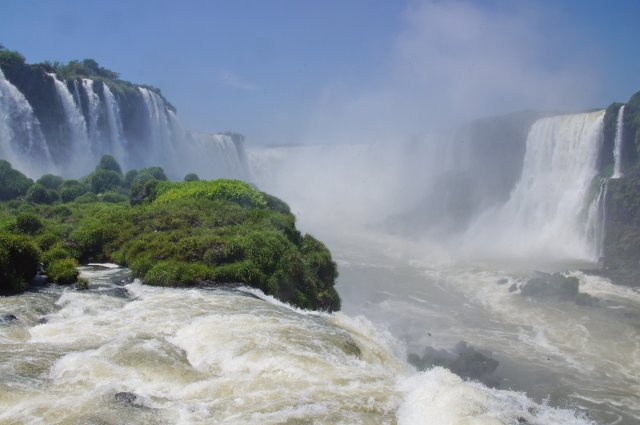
(236, 191)
(12, 182)
(192, 233)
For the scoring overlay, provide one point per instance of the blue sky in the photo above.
(344, 70)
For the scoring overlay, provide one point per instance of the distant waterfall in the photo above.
(93, 115)
(74, 122)
(114, 121)
(617, 149)
(547, 211)
(159, 130)
(21, 139)
(77, 126)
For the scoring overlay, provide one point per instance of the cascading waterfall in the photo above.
(116, 131)
(21, 139)
(228, 151)
(80, 148)
(617, 149)
(80, 123)
(94, 114)
(159, 130)
(546, 214)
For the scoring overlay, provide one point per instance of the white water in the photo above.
(21, 139)
(214, 356)
(617, 150)
(81, 160)
(159, 128)
(546, 214)
(116, 131)
(94, 115)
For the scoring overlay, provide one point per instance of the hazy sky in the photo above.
(343, 70)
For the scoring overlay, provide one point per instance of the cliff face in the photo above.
(621, 221)
(80, 111)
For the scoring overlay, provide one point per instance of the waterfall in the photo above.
(114, 121)
(21, 139)
(220, 155)
(81, 160)
(159, 131)
(547, 211)
(82, 121)
(93, 115)
(596, 217)
(617, 147)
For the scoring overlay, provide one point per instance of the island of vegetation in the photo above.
(180, 234)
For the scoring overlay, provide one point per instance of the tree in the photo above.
(107, 162)
(13, 183)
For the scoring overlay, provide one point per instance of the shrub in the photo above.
(28, 222)
(71, 190)
(109, 163)
(191, 177)
(103, 180)
(19, 262)
(56, 252)
(63, 271)
(129, 177)
(38, 194)
(13, 183)
(51, 182)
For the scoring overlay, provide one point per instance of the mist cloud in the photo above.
(454, 61)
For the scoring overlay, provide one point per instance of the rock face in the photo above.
(621, 242)
(621, 220)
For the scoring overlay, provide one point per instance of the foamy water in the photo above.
(164, 356)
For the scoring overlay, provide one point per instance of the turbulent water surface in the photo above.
(122, 352)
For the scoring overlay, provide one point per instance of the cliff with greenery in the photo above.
(184, 234)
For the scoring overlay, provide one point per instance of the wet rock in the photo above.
(465, 361)
(118, 292)
(502, 281)
(8, 319)
(556, 287)
(513, 287)
(127, 398)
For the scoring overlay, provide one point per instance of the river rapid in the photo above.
(122, 352)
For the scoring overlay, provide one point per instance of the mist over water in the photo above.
(430, 248)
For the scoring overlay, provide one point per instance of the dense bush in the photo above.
(18, 262)
(28, 222)
(191, 177)
(38, 194)
(179, 234)
(71, 190)
(13, 183)
(63, 271)
(103, 180)
(109, 163)
(51, 182)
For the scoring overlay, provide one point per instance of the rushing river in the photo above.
(122, 352)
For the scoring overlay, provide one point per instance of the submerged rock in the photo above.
(556, 287)
(465, 361)
(127, 398)
(8, 319)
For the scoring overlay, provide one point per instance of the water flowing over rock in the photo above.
(83, 119)
(546, 214)
(617, 150)
(21, 139)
